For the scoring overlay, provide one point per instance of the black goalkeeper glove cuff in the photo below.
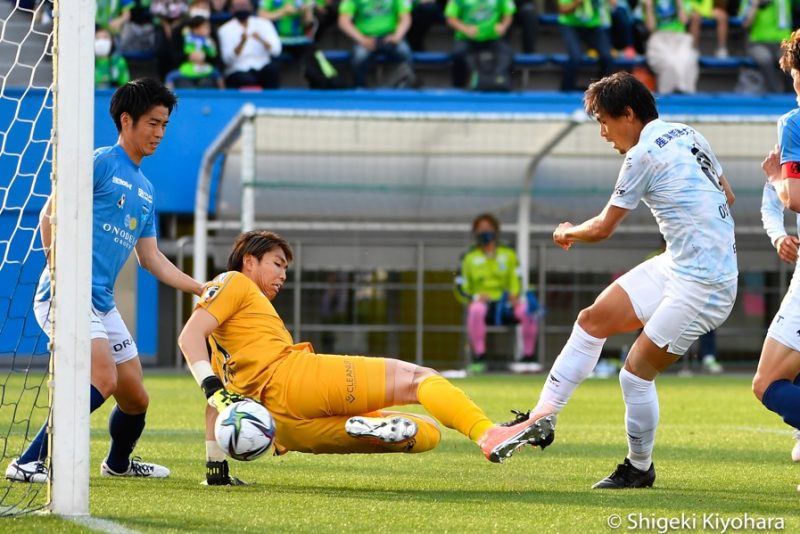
(211, 385)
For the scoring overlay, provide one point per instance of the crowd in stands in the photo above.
(247, 43)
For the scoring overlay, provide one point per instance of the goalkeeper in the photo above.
(321, 403)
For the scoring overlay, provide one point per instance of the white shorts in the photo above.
(675, 311)
(785, 326)
(107, 325)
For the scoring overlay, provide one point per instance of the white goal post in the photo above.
(73, 132)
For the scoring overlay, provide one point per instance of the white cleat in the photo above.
(384, 429)
(32, 472)
(795, 449)
(137, 468)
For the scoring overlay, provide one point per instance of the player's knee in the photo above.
(590, 322)
(760, 385)
(135, 404)
(106, 384)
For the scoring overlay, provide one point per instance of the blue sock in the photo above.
(783, 398)
(125, 431)
(37, 450)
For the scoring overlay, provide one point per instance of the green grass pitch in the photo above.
(719, 455)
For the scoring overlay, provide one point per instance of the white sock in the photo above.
(573, 365)
(641, 417)
(214, 452)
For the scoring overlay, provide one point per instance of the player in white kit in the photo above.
(777, 380)
(676, 296)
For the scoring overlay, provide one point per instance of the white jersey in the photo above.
(674, 172)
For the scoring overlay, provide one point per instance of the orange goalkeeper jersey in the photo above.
(250, 337)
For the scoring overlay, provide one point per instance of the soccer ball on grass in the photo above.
(245, 430)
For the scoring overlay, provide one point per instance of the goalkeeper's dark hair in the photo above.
(612, 94)
(790, 52)
(256, 243)
(137, 97)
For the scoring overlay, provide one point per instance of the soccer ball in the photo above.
(245, 430)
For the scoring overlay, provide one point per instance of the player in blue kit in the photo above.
(124, 222)
(777, 380)
(676, 296)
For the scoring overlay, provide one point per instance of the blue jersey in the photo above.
(674, 172)
(123, 213)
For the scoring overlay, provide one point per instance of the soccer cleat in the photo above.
(217, 475)
(32, 472)
(502, 441)
(137, 468)
(795, 449)
(383, 429)
(627, 476)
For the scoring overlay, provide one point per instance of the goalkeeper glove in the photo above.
(219, 397)
(224, 398)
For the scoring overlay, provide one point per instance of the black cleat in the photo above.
(520, 416)
(627, 476)
(217, 475)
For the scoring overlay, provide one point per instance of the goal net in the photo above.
(45, 147)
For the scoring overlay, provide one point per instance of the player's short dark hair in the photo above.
(137, 97)
(488, 217)
(612, 94)
(256, 243)
(790, 52)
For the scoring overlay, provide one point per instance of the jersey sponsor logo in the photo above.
(131, 222)
(121, 201)
(144, 195)
(120, 181)
(121, 237)
(663, 140)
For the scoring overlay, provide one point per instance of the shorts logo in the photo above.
(121, 202)
(131, 222)
(118, 347)
(350, 381)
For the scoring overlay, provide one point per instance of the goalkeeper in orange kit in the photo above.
(321, 403)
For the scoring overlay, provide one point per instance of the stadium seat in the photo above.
(525, 62)
(431, 58)
(338, 56)
(735, 62)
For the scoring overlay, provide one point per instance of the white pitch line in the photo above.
(101, 525)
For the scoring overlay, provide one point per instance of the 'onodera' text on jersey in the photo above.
(674, 172)
(123, 213)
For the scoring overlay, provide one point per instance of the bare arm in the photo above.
(728, 190)
(466, 29)
(46, 228)
(502, 26)
(192, 339)
(595, 229)
(788, 189)
(402, 28)
(151, 259)
(349, 29)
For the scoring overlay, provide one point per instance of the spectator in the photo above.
(248, 44)
(424, 15)
(768, 23)
(326, 13)
(171, 15)
(479, 27)
(376, 27)
(112, 15)
(489, 283)
(527, 20)
(622, 28)
(138, 33)
(199, 50)
(294, 20)
(669, 49)
(706, 9)
(175, 55)
(583, 21)
(110, 68)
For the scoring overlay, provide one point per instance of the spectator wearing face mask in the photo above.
(247, 44)
(488, 282)
(110, 68)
